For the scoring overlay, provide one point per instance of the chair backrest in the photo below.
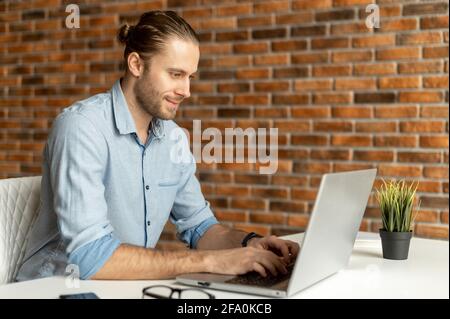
(19, 204)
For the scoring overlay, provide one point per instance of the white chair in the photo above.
(19, 203)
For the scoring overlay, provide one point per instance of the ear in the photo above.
(135, 64)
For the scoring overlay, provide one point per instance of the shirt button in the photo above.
(148, 223)
(147, 187)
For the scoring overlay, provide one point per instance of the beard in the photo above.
(151, 101)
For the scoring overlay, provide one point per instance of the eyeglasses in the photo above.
(166, 292)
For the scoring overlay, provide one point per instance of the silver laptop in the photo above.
(325, 248)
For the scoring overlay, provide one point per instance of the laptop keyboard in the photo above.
(255, 279)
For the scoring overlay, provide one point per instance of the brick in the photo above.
(255, 21)
(230, 215)
(387, 97)
(333, 70)
(399, 82)
(330, 126)
(313, 85)
(395, 141)
(308, 58)
(274, 59)
(351, 56)
(419, 38)
(232, 36)
(269, 33)
(271, 7)
(375, 69)
(290, 45)
(290, 99)
(272, 86)
(377, 156)
(340, 155)
(419, 157)
(308, 31)
(304, 194)
(427, 216)
(421, 97)
(271, 112)
(233, 87)
(353, 140)
(348, 28)
(340, 3)
(250, 99)
(215, 177)
(289, 154)
(420, 67)
(215, 75)
(196, 13)
(355, 84)
(309, 140)
(253, 73)
(218, 23)
(335, 15)
(434, 202)
(399, 170)
(307, 4)
(444, 217)
(234, 10)
(422, 126)
(298, 221)
(426, 8)
(207, 49)
(396, 111)
(291, 72)
(332, 43)
(268, 218)
(233, 61)
(436, 171)
(292, 126)
(431, 231)
(435, 82)
(332, 98)
(294, 18)
(289, 180)
(310, 112)
(272, 192)
(251, 179)
(399, 25)
(233, 112)
(435, 52)
(374, 41)
(434, 22)
(398, 53)
(312, 168)
(434, 111)
(248, 203)
(259, 47)
(380, 127)
(434, 141)
(287, 206)
(351, 112)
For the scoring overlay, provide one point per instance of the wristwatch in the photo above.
(248, 237)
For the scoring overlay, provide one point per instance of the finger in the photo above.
(281, 246)
(260, 269)
(294, 248)
(268, 262)
(276, 262)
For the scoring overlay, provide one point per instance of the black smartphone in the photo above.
(86, 295)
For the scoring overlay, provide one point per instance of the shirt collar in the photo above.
(124, 120)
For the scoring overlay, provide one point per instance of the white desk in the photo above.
(423, 275)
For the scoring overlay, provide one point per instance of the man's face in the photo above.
(165, 83)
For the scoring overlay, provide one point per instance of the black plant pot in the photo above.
(395, 244)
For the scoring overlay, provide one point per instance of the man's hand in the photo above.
(285, 248)
(238, 261)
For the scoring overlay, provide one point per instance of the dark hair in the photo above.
(150, 34)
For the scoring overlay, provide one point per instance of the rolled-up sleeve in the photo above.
(77, 157)
(191, 213)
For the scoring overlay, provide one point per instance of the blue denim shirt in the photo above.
(102, 187)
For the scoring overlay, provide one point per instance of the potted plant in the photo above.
(396, 200)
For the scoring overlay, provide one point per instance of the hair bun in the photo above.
(124, 33)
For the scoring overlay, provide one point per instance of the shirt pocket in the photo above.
(172, 180)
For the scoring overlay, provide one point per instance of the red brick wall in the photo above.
(342, 96)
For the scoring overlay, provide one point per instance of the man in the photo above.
(109, 184)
